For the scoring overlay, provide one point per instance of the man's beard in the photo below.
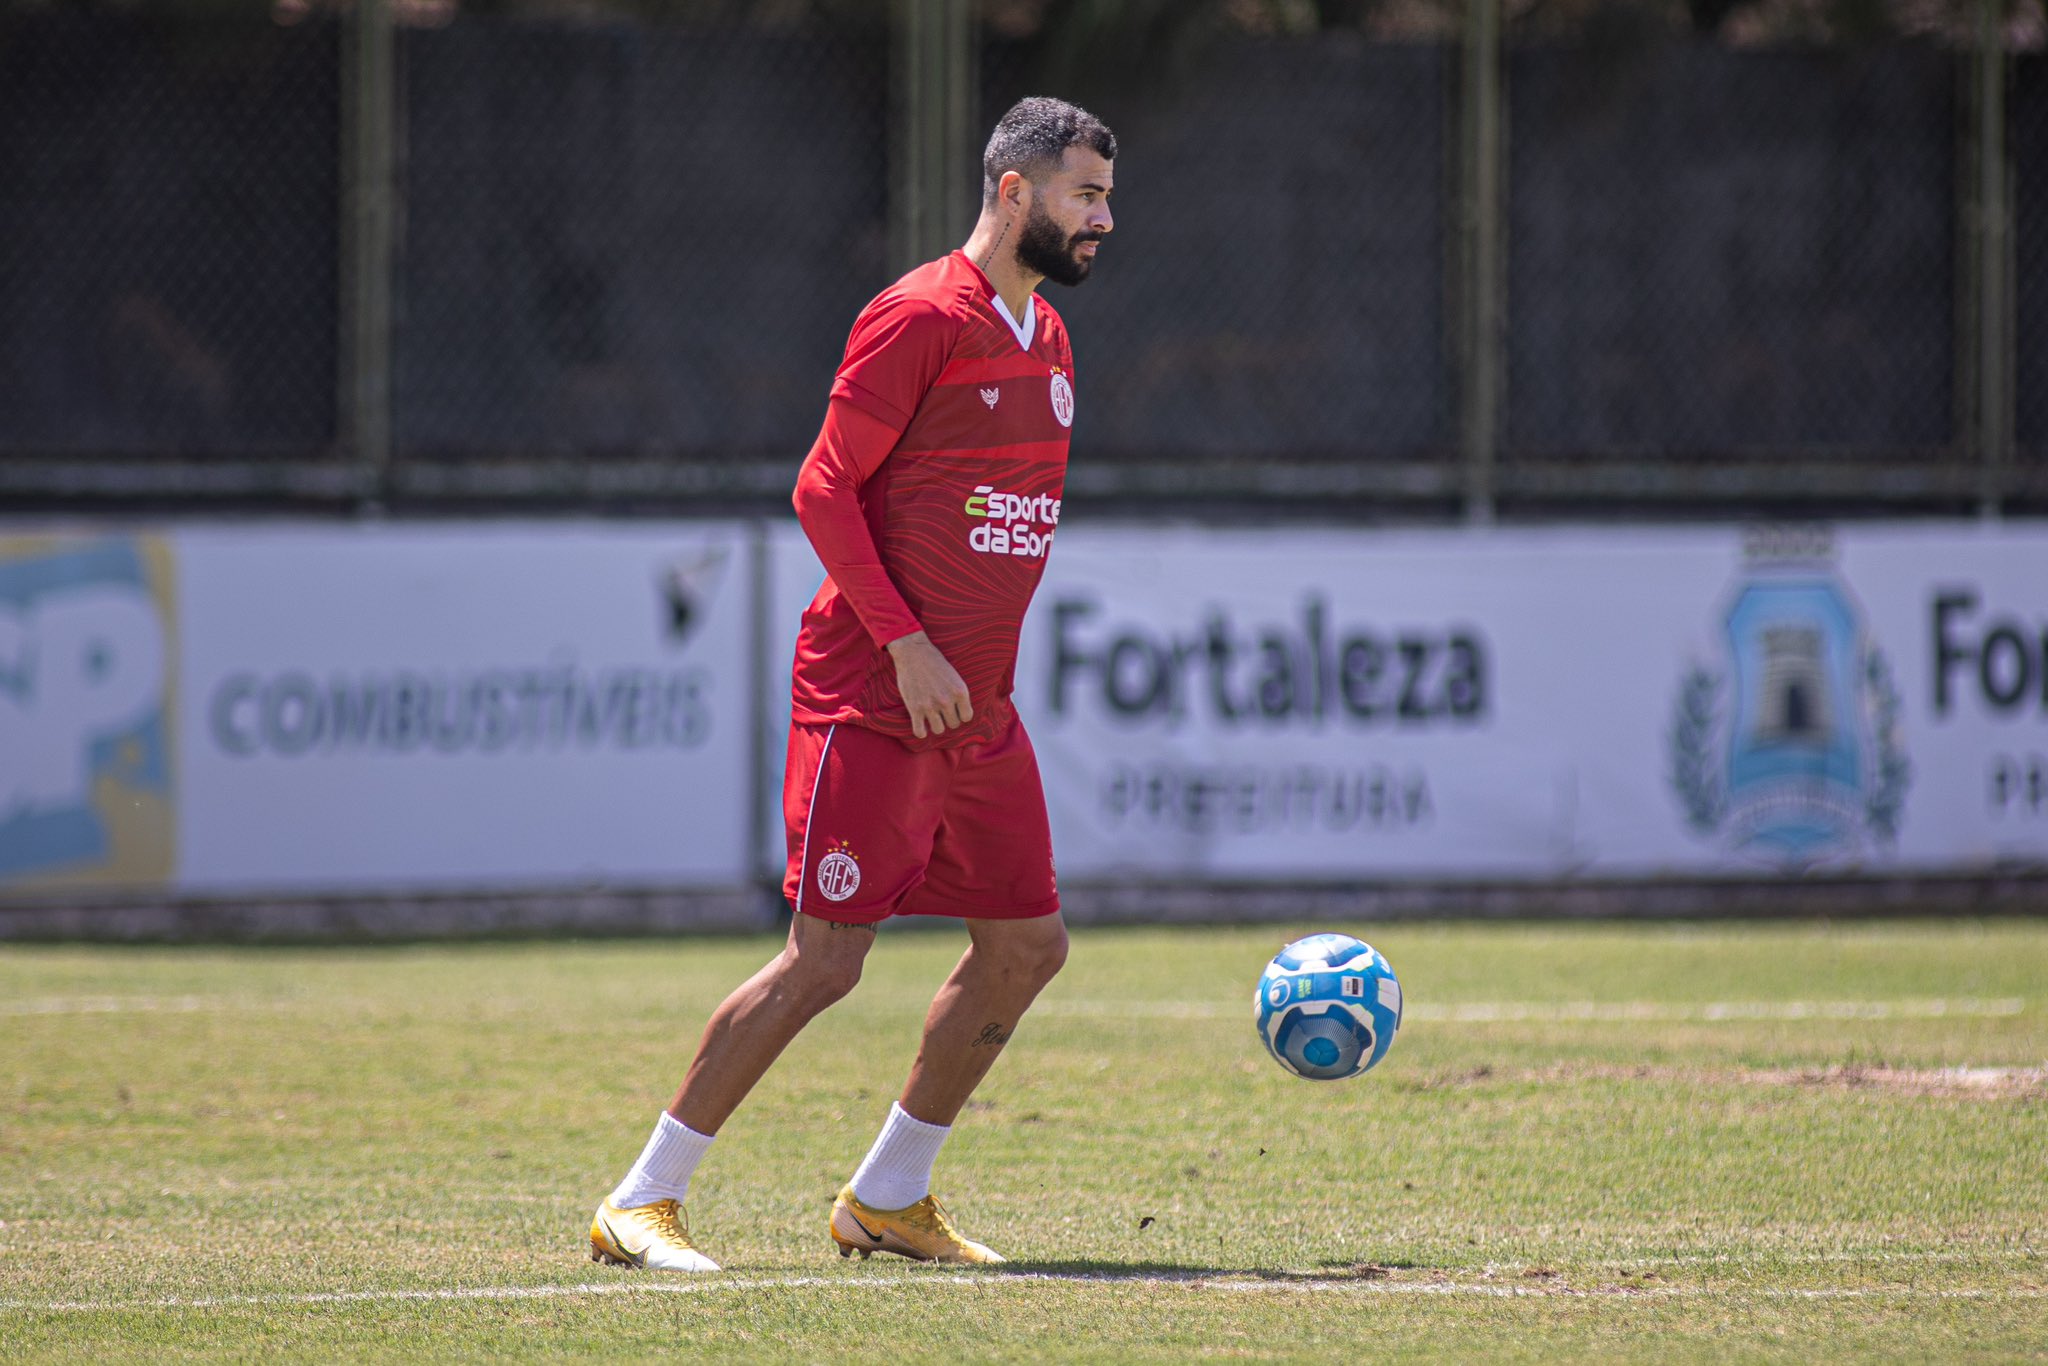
(1044, 248)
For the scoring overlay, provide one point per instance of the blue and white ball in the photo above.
(1328, 1007)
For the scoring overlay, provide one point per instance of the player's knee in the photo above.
(1038, 959)
(819, 979)
(1054, 956)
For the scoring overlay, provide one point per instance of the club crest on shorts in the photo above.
(838, 873)
(1062, 399)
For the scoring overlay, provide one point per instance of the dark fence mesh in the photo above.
(1716, 253)
(645, 232)
(632, 239)
(1275, 284)
(2029, 157)
(168, 237)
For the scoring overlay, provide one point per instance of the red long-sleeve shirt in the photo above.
(931, 497)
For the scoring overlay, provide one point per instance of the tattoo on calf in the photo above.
(992, 1035)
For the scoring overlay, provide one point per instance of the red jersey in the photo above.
(931, 497)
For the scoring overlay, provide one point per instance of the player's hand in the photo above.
(933, 691)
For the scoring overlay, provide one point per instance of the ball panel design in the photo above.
(1327, 1007)
(1320, 950)
(1323, 1045)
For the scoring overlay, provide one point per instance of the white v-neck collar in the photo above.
(1025, 330)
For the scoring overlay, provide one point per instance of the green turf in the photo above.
(1615, 1173)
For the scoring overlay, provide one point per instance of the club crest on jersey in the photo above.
(838, 873)
(989, 396)
(1062, 399)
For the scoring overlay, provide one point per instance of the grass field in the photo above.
(1686, 1142)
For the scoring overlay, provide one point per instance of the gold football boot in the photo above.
(923, 1231)
(650, 1236)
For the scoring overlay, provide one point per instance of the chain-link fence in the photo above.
(1707, 251)
(1276, 285)
(629, 240)
(2029, 154)
(168, 236)
(1717, 253)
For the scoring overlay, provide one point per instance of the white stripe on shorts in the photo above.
(803, 866)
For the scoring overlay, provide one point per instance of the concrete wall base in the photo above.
(613, 912)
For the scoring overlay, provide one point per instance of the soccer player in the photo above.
(931, 495)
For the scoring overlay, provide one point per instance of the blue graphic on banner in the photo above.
(85, 772)
(1804, 762)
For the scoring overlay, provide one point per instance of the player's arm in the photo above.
(850, 448)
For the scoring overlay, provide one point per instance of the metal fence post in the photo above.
(1994, 334)
(935, 187)
(367, 193)
(1482, 275)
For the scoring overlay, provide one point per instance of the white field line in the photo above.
(114, 1005)
(1652, 1260)
(1464, 1012)
(713, 1285)
(1553, 1012)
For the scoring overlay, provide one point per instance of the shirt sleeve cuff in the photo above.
(892, 632)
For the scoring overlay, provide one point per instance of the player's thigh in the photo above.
(862, 813)
(992, 857)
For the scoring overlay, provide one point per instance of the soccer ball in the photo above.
(1328, 1007)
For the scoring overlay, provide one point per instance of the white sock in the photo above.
(663, 1171)
(897, 1172)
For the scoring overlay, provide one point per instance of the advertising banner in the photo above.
(305, 709)
(793, 578)
(497, 704)
(88, 685)
(1291, 704)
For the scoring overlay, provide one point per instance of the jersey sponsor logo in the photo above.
(1062, 399)
(990, 397)
(1010, 522)
(838, 874)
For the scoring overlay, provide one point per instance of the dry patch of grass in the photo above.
(1990, 1083)
(1979, 1083)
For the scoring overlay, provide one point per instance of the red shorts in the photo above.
(877, 830)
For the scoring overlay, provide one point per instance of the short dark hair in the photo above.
(1034, 135)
